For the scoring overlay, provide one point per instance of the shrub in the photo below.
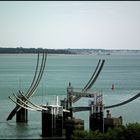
(130, 131)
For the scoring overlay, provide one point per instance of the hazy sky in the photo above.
(70, 24)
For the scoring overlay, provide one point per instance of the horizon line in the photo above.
(72, 48)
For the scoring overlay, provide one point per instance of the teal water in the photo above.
(17, 71)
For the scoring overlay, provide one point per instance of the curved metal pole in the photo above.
(39, 77)
(33, 103)
(124, 102)
(34, 86)
(24, 103)
(94, 80)
(43, 108)
(34, 75)
(87, 108)
(42, 72)
(91, 76)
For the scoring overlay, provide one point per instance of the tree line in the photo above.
(35, 50)
(130, 131)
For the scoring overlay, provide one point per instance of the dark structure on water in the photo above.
(52, 121)
(22, 114)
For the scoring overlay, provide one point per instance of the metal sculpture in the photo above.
(124, 102)
(76, 95)
(35, 82)
(91, 81)
(87, 108)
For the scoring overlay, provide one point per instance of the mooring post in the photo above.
(22, 114)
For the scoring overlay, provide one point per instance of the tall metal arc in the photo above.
(92, 80)
(34, 84)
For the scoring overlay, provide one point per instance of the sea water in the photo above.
(17, 71)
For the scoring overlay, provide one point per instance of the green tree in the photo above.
(130, 131)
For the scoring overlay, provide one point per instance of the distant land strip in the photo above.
(34, 50)
(21, 50)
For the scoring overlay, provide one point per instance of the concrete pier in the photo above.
(22, 114)
(52, 121)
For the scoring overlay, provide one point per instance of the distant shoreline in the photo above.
(21, 50)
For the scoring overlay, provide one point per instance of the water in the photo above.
(17, 71)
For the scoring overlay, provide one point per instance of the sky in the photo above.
(70, 24)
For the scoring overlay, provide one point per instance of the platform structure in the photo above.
(96, 107)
